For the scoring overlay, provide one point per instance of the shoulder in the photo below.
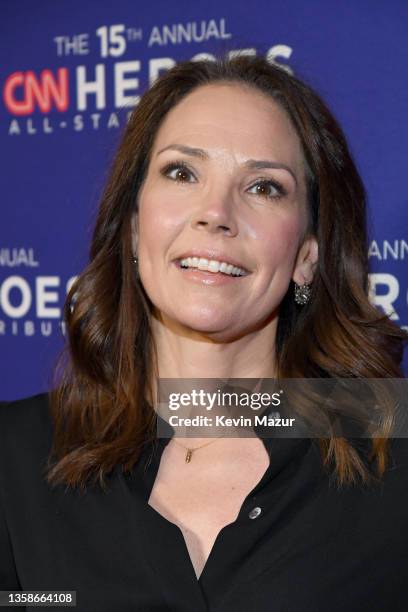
(398, 455)
(25, 440)
(25, 424)
(29, 408)
(392, 485)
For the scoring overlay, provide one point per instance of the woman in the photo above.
(230, 243)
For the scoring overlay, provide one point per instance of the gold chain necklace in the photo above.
(190, 451)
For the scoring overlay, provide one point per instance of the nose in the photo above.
(216, 214)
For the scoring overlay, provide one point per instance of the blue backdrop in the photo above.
(70, 73)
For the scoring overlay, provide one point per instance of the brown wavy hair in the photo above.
(101, 402)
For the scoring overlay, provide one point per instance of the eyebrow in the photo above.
(252, 164)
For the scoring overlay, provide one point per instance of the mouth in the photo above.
(211, 266)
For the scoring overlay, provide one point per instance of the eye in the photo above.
(179, 176)
(265, 186)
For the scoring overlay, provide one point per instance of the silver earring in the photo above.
(134, 259)
(302, 293)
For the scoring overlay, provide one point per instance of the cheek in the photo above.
(158, 222)
(280, 242)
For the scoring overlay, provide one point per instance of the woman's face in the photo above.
(225, 182)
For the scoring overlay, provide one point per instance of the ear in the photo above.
(306, 261)
(135, 232)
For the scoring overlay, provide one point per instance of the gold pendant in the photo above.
(189, 455)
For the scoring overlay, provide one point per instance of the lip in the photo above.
(202, 277)
(213, 254)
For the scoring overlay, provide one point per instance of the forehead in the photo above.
(231, 118)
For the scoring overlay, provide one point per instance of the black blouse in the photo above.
(298, 544)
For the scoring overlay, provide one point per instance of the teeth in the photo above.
(203, 264)
(211, 265)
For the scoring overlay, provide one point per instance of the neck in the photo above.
(183, 353)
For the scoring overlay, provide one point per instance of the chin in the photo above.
(210, 326)
(202, 322)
